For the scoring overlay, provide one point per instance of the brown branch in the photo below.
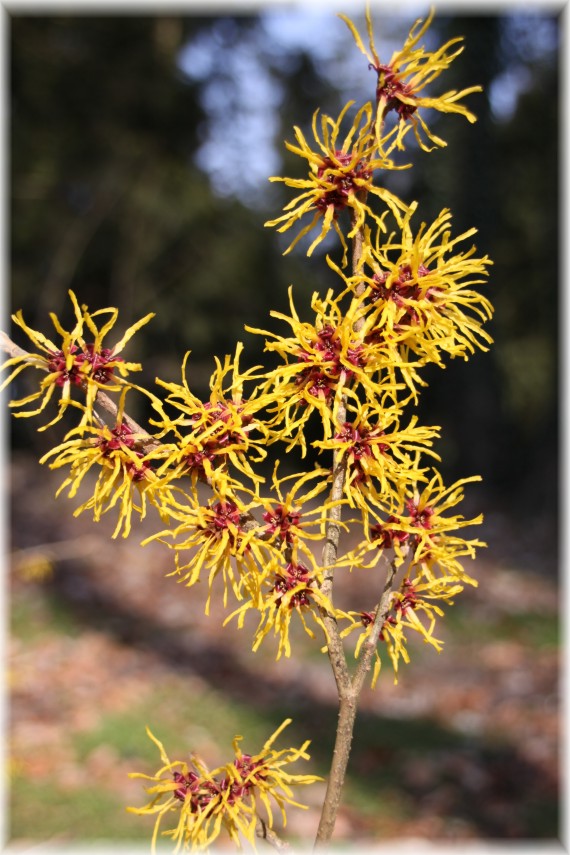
(348, 704)
(347, 691)
(263, 831)
(330, 554)
(371, 642)
(12, 349)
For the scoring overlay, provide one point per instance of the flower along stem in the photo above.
(375, 503)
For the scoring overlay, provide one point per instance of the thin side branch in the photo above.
(371, 642)
(263, 831)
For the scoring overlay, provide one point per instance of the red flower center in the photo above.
(361, 441)
(387, 536)
(343, 184)
(401, 290)
(281, 521)
(294, 575)
(122, 437)
(420, 517)
(391, 89)
(98, 361)
(320, 380)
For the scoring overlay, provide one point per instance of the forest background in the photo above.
(140, 147)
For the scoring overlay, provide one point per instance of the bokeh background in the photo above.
(140, 147)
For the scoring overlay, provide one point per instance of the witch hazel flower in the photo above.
(73, 361)
(126, 481)
(401, 81)
(340, 179)
(202, 803)
(324, 362)
(419, 286)
(214, 441)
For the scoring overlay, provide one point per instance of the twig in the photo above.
(371, 642)
(262, 830)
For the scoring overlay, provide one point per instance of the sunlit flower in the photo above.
(293, 518)
(340, 178)
(430, 525)
(190, 792)
(230, 797)
(412, 600)
(325, 363)
(380, 456)
(415, 598)
(420, 290)
(286, 590)
(363, 622)
(74, 361)
(392, 636)
(261, 778)
(211, 437)
(428, 533)
(216, 538)
(126, 480)
(409, 71)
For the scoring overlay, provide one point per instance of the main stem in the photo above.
(347, 695)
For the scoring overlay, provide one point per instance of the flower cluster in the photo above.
(342, 175)
(231, 797)
(343, 386)
(351, 370)
(289, 589)
(421, 291)
(421, 538)
(126, 478)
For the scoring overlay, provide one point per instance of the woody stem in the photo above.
(347, 694)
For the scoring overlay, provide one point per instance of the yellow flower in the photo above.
(190, 792)
(74, 362)
(362, 621)
(402, 79)
(445, 554)
(340, 179)
(412, 599)
(325, 363)
(419, 289)
(294, 588)
(262, 776)
(380, 456)
(289, 518)
(391, 634)
(217, 538)
(229, 797)
(125, 471)
(427, 532)
(212, 436)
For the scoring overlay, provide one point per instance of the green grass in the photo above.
(180, 725)
(39, 812)
(533, 629)
(34, 614)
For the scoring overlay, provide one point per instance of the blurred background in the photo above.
(140, 148)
